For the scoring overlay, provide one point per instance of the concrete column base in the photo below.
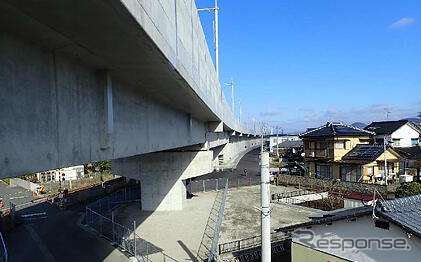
(162, 174)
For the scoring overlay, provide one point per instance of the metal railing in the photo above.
(99, 217)
(20, 213)
(3, 250)
(249, 243)
(197, 186)
(209, 243)
(88, 180)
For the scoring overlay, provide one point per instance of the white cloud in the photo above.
(402, 23)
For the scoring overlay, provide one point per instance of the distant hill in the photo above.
(359, 125)
(412, 119)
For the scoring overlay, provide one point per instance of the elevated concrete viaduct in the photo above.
(132, 81)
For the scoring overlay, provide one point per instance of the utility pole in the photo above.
(265, 208)
(215, 33)
(232, 94)
(385, 159)
(277, 142)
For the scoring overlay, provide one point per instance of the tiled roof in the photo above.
(290, 144)
(327, 217)
(385, 127)
(364, 153)
(404, 212)
(336, 129)
(413, 152)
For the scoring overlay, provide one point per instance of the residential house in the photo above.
(390, 230)
(340, 151)
(402, 133)
(273, 140)
(410, 163)
(365, 163)
(326, 145)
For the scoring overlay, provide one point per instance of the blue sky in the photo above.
(300, 63)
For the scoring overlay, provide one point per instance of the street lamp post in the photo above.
(385, 159)
(277, 143)
(216, 33)
(231, 84)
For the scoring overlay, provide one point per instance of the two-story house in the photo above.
(402, 133)
(340, 151)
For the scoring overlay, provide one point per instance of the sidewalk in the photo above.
(176, 233)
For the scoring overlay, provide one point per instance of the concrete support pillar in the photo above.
(162, 176)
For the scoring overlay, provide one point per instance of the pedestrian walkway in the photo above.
(175, 233)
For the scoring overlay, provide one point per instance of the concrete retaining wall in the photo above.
(23, 183)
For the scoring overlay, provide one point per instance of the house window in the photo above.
(370, 170)
(396, 141)
(324, 171)
(390, 168)
(364, 141)
(414, 141)
(350, 173)
(340, 145)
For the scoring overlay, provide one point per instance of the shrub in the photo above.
(408, 189)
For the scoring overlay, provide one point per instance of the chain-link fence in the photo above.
(87, 180)
(99, 217)
(197, 186)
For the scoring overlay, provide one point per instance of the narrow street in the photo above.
(58, 238)
(250, 161)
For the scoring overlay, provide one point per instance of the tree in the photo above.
(408, 189)
(99, 166)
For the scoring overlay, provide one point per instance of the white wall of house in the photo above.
(273, 139)
(68, 173)
(364, 228)
(405, 134)
(403, 137)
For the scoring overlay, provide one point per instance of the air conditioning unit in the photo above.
(405, 178)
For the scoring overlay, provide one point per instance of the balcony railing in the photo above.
(319, 153)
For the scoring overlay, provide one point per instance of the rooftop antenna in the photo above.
(387, 113)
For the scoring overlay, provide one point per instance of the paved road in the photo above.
(58, 238)
(249, 161)
(16, 195)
